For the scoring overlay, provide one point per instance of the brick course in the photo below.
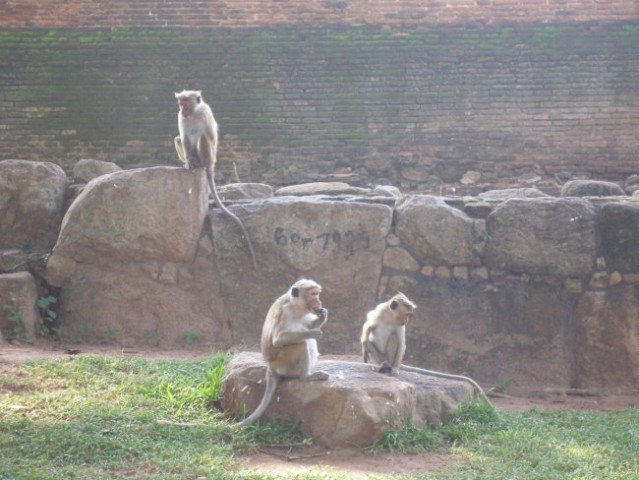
(266, 13)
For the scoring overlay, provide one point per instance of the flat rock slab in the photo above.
(354, 407)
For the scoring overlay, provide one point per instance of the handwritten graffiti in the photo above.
(344, 242)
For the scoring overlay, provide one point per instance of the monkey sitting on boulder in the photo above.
(289, 339)
(384, 340)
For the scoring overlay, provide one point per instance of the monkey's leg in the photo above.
(394, 353)
(378, 356)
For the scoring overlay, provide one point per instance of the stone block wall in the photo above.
(404, 92)
(534, 292)
(542, 291)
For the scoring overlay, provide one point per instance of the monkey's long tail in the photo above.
(271, 384)
(450, 376)
(221, 206)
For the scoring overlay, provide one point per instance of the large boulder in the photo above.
(438, 233)
(591, 188)
(542, 236)
(352, 408)
(31, 203)
(619, 226)
(337, 243)
(127, 261)
(86, 169)
(136, 215)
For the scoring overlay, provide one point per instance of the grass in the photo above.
(94, 417)
(468, 422)
(535, 445)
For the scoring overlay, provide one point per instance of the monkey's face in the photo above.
(402, 308)
(187, 105)
(403, 314)
(187, 101)
(312, 298)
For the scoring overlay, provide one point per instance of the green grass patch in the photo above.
(535, 445)
(94, 417)
(470, 421)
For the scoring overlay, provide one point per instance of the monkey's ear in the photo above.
(198, 99)
(394, 305)
(177, 95)
(295, 292)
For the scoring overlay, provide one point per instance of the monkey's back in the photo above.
(272, 322)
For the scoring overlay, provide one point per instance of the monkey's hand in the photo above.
(322, 316)
(193, 161)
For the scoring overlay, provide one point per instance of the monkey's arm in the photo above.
(288, 338)
(322, 317)
(365, 342)
(180, 150)
(371, 348)
(188, 153)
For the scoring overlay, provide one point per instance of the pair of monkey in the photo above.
(293, 326)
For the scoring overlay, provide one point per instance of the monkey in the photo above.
(289, 339)
(384, 339)
(196, 146)
(384, 333)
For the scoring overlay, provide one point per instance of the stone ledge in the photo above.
(354, 407)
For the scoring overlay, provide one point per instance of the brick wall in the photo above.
(459, 86)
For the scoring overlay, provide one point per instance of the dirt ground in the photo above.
(355, 463)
